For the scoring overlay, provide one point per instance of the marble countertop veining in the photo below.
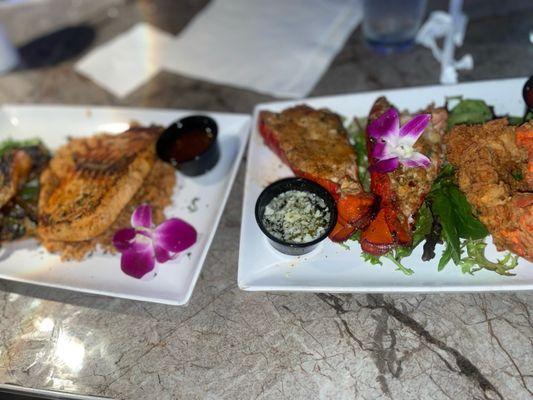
(230, 344)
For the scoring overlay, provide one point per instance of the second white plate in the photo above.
(331, 267)
(26, 261)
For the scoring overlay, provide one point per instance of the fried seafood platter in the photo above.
(444, 181)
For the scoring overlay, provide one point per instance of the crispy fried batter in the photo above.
(156, 190)
(492, 168)
(90, 180)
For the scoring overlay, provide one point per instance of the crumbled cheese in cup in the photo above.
(296, 216)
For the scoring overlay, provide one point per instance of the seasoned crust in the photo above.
(488, 158)
(156, 190)
(90, 180)
(315, 142)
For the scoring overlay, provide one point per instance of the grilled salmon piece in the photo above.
(90, 180)
(314, 144)
(402, 191)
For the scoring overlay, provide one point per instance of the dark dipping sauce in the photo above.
(190, 145)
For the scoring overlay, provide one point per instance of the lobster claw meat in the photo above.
(400, 193)
(314, 144)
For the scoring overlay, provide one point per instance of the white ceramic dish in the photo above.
(332, 268)
(26, 261)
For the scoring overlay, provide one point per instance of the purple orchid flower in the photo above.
(142, 245)
(394, 144)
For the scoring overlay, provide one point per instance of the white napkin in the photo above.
(127, 61)
(279, 47)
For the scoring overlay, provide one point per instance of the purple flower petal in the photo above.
(385, 127)
(174, 235)
(417, 160)
(123, 238)
(382, 151)
(413, 129)
(384, 166)
(138, 260)
(142, 216)
(162, 255)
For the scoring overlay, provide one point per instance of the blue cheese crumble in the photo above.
(296, 216)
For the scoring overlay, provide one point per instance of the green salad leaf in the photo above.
(10, 144)
(475, 259)
(356, 131)
(454, 212)
(469, 111)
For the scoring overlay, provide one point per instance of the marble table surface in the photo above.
(230, 344)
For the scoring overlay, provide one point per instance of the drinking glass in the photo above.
(391, 25)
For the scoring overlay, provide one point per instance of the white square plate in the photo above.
(332, 268)
(26, 261)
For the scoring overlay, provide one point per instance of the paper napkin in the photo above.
(277, 47)
(127, 61)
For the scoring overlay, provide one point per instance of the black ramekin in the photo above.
(284, 185)
(201, 163)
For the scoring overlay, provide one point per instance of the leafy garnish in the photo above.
(432, 238)
(10, 144)
(399, 265)
(476, 260)
(423, 225)
(372, 259)
(455, 215)
(469, 111)
(517, 175)
(514, 120)
(356, 130)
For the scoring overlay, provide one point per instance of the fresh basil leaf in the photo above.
(442, 208)
(445, 258)
(469, 112)
(468, 226)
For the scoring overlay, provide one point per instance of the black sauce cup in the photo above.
(284, 185)
(200, 163)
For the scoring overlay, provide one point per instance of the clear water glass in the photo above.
(391, 25)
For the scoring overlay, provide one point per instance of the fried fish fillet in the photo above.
(314, 144)
(90, 180)
(156, 190)
(494, 164)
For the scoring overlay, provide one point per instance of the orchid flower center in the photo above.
(143, 235)
(404, 150)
